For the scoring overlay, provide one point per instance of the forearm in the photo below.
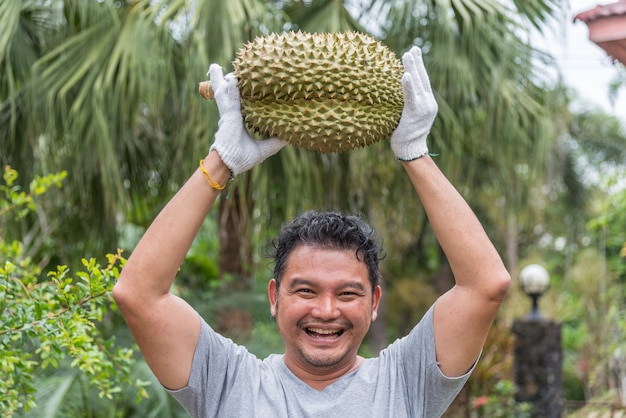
(152, 267)
(472, 257)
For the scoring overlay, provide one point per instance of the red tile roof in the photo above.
(607, 28)
(603, 10)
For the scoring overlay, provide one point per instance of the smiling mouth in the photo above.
(323, 333)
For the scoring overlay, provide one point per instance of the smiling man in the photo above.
(324, 295)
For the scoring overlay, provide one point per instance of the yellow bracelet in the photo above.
(209, 180)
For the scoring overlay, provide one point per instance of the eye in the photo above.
(306, 292)
(348, 296)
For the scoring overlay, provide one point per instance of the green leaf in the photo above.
(10, 175)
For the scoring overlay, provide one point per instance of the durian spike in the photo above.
(206, 91)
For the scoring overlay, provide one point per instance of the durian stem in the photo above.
(206, 91)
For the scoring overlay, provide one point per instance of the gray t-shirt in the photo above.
(403, 381)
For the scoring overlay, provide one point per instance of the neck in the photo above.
(319, 378)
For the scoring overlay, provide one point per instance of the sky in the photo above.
(585, 67)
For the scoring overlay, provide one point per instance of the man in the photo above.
(324, 294)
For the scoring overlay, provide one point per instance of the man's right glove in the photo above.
(408, 141)
(239, 151)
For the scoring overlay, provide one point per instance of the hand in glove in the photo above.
(408, 141)
(239, 151)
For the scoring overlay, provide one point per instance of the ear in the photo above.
(273, 296)
(378, 292)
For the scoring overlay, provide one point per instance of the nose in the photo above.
(325, 308)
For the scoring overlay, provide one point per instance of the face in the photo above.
(323, 309)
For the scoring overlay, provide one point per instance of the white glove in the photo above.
(408, 141)
(239, 151)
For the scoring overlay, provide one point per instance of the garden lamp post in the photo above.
(538, 352)
(534, 281)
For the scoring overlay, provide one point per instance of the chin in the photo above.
(324, 360)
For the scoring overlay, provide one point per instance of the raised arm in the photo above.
(464, 314)
(165, 327)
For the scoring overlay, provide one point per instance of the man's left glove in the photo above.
(239, 151)
(408, 141)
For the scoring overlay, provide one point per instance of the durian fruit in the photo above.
(327, 92)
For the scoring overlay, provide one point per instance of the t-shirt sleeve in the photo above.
(214, 366)
(429, 389)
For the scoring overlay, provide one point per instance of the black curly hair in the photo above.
(330, 230)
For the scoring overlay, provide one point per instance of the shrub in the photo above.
(50, 317)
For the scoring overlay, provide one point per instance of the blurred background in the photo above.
(101, 123)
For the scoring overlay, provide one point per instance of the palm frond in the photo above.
(29, 27)
(53, 394)
(321, 16)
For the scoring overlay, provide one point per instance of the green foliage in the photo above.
(67, 393)
(600, 136)
(609, 223)
(120, 107)
(50, 318)
(265, 339)
(199, 272)
(501, 404)
(601, 349)
(16, 200)
(407, 301)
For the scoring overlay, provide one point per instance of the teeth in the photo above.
(322, 331)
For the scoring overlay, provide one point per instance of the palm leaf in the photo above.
(28, 28)
(321, 16)
(54, 395)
